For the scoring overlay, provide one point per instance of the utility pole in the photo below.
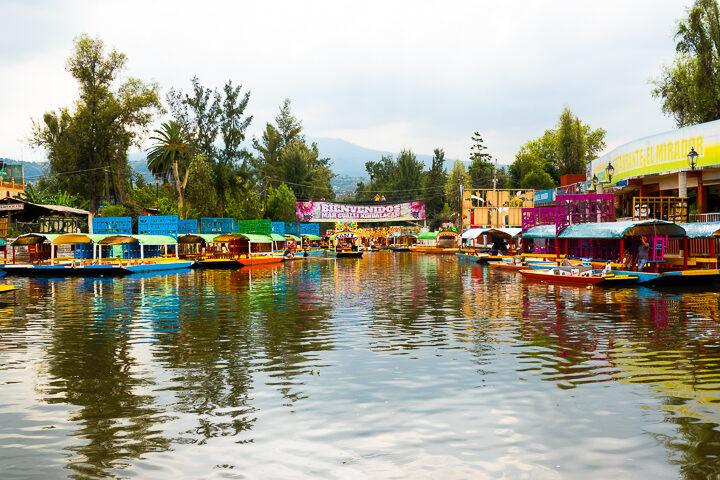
(495, 176)
(107, 188)
(460, 203)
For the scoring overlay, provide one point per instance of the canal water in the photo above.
(391, 366)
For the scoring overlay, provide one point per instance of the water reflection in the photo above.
(395, 364)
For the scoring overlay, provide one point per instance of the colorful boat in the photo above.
(311, 245)
(94, 255)
(444, 242)
(558, 276)
(235, 250)
(345, 242)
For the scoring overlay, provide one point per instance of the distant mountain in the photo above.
(32, 170)
(349, 159)
(348, 162)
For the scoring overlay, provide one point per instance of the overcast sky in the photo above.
(384, 74)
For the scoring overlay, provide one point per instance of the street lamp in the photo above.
(609, 170)
(595, 182)
(692, 158)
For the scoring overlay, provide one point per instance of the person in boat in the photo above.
(288, 253)
(643, 253)
(608, 269)
(626, 260)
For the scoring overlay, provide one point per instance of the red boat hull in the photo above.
(248, 262)
(562, 279)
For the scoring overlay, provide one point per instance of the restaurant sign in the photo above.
(663, 153)
(385, 212)
(12, 206)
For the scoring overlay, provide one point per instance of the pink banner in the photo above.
(334, 212)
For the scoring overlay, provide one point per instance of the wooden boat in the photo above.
(522, 266)
(555, 276)
(259, 260)
(345, 242)
(8, 288)
(132, 257)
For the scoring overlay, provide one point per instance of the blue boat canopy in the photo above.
(617, 230)
(702, 229)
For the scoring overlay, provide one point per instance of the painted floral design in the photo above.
(304, 211)
(417, 210)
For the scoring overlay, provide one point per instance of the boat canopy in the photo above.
(296, 238)
(505, 233)
(701, 229)
(277, 238)
(257, 237)
(73, 238)
(613, 230)
(35, 238)
(226, 237)
(427, 236)
(2, 242)
(310, 236)
(540, 231)
(190, 238)
(472, 233)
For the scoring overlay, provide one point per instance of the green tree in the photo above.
(408, 179)
(208, 115)
(169, 157)
(456, 177)
(434, 184)
(87, 147)
(482, 168)
(283, 156)
(281, 204)
(690, 87)
(201, 195)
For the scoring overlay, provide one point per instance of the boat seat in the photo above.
(580, 268)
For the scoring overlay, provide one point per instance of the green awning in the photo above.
(297, 239)
(190, 238)
(540, 231)
(277, 238)
(155, 239)
(616, 230)
(701, 229)
(257, 238)
(427, 236)
(310, 236)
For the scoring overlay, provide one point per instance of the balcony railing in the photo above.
(704, 217)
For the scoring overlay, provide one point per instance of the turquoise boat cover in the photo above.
(540, 231)
(616, 230)
(701, 229)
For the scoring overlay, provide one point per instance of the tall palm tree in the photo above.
(169, 158)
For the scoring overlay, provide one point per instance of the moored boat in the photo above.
(576, 276)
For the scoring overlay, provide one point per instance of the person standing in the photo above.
(643, 253)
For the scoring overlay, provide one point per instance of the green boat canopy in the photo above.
(427, 236)
(190, 238)
(257, 238)
(701, 229)
(540, 231)
(310, 236)
(277, 238)
(616, 230)
(297, 239)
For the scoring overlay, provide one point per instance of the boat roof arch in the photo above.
(617, 230)
(502, 232)
(701, 229)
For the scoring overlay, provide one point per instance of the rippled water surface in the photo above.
(392, 366)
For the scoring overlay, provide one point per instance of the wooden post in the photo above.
(622, 248)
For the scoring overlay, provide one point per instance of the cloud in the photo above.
(385, 75)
